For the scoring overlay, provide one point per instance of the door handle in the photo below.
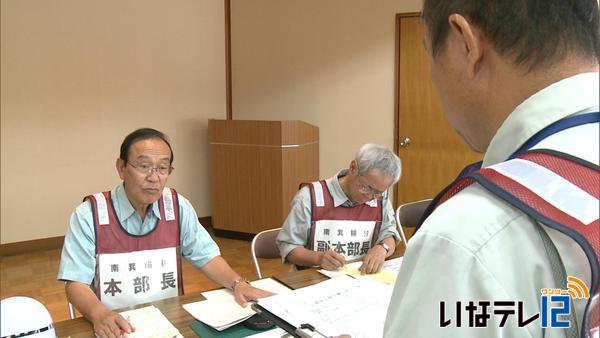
(405, 142)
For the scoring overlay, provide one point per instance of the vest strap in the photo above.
(559, 273)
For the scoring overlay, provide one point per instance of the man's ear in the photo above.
(120, 164)
(353, 169)
(469, 41)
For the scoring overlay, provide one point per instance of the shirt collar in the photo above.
(123, 206)
(336, 191)
(566, 97)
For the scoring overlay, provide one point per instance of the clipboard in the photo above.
(304, 331)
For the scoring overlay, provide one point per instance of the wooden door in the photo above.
(435, 153)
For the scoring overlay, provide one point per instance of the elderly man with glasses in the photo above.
(347, 217)
(127, 243)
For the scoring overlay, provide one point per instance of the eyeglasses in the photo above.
(146, 169)
(367, 190)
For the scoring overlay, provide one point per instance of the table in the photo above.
(173, 310)
(181, 319)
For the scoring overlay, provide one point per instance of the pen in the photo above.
(329, 248)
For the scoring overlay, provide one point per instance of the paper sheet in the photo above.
(387, 275)
(220, 310)
(383, 276)
(341, 305)
(268, 284)
(149, 322)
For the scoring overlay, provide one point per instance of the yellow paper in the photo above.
(382, 276)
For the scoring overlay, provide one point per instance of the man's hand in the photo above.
(110, 324)
(244, 292)
(373, 262)
(332, 260)
(106, 323)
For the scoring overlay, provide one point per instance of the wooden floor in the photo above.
(34, 274)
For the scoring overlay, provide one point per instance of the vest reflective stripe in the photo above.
(372, 203)
(318, 189)
(552, 188)
(101, 208)
(168, 205)
(111, 238)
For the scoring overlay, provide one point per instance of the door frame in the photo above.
(399, 16)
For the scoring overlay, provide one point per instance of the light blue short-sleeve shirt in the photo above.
(78, 258)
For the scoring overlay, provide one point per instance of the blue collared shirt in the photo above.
(78, 258)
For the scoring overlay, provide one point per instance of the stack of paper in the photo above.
(220, 310)
(341, 305)
(387, 275)
(149, 322)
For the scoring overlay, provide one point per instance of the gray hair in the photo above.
(374, 156)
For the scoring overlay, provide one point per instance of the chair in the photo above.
(409, 214)
(264, 246)
(71, 310)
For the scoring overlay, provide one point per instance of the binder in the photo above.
(236, 331)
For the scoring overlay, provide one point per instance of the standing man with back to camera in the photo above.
(347, 217)
(127, 243)
(514, 77)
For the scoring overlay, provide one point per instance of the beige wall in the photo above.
(77, 76)
(329, 63)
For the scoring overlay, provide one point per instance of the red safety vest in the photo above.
(111, 238)
(530, 181)
(322, 209)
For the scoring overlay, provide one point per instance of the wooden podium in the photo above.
(256, 168)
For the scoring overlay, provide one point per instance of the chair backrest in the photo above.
(409, 214)
(264, 246)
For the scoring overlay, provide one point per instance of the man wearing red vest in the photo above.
(518, 80)
(127, 243)
(347, 217)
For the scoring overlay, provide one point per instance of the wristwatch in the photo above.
(238, 281)
(385, 246)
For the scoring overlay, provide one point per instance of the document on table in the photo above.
(220, 310)
(149, 322)
(341, 305)
(387, 275)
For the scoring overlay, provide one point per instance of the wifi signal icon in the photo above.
(577, 288)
